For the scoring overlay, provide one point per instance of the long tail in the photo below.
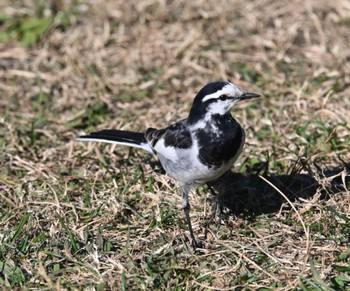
(122, 137)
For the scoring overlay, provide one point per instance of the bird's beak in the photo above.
(247, 95)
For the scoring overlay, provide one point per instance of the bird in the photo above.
(194, 150)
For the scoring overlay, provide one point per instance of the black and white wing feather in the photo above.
(168, 141)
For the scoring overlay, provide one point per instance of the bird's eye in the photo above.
(223, 97)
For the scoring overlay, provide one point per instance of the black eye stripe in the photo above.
(222, 97)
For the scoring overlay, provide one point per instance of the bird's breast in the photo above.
(220, 142)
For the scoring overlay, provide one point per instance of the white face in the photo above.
(223, 106)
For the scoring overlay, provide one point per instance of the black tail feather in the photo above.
(117, 136)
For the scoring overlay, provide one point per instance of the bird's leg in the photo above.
(186, 207)
(218, 206)
(220, 210)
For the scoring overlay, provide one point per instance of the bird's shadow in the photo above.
(250, 195)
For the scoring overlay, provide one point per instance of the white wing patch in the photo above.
(168, 152)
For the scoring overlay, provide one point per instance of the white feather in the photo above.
(168, 152)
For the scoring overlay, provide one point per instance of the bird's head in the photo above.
(217, 98)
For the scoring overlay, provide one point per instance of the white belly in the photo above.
(187, 168)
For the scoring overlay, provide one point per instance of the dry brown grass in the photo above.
(77, 215)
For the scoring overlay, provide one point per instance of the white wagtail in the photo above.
(194, 150)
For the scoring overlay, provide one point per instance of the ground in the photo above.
(87, 215)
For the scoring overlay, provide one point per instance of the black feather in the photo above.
(118, 136)
(218, 148)
(176, 135)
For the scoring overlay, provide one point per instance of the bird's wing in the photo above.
(169, 140)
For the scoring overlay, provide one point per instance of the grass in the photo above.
(80, 216)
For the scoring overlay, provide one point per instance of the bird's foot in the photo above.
(197, 244)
